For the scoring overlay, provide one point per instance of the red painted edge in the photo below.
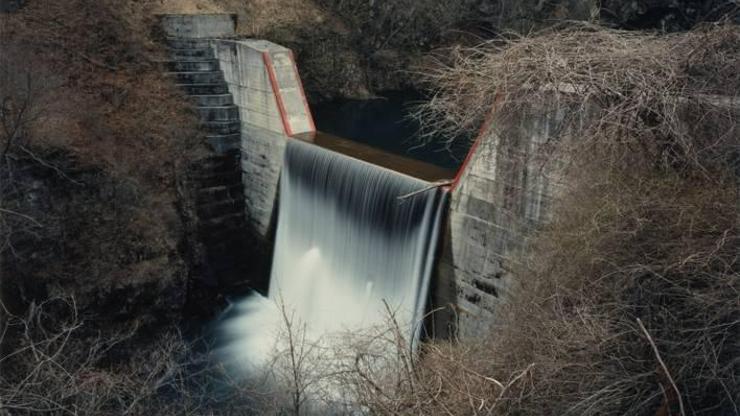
(311, 123)
(276, 92)
(484, 128)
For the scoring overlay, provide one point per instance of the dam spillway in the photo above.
(262, 80)
(355, 243)
(350, 236)
(501, 191)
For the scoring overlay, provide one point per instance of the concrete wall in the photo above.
(264, 81)
(198, 25)
(504, 191)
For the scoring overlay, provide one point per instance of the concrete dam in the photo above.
(352, 231)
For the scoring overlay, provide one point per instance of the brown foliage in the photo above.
(626, 73)
(114, 106)
(108, 108)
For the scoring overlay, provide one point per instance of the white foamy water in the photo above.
(346, 247)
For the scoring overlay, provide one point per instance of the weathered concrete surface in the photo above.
(264, 81)
(262, 161)
(198, 25)
(504, 192)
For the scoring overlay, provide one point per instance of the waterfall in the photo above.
(353, 241)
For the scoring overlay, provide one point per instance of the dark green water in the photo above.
(384, 123)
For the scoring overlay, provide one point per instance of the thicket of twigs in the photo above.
(628, 300)
(52, 362)
(628, 73)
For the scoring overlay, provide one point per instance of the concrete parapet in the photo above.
(198, 25)
(266, 86)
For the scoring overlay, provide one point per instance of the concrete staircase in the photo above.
(216, 180)
(193, 68)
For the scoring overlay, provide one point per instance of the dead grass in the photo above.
(624, 72)
(112, 102)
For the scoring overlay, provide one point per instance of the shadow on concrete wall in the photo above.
(441, 321)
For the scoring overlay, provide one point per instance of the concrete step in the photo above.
(212, 77)
(227, 221)
(220, 100)
(218, 128)
(221, 177)
(201, 172)
(204, 89)
(183, 43)
(211, 193)
(220, 208)
(216, 163)
(225, 113)
(207, 180)
(204, 65)
(224, 179)
(185, 54)
(225, 143)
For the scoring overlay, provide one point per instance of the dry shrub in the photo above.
(116, 131)
(626, 73)
(114, 106)
(48, 367)
(627, 301)
(52, 363)
(625, 246)
(661, 249)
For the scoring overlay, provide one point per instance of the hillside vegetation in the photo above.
(627, 302)
(95, 140)
(94, 145)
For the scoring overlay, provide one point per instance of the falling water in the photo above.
(353, 241)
